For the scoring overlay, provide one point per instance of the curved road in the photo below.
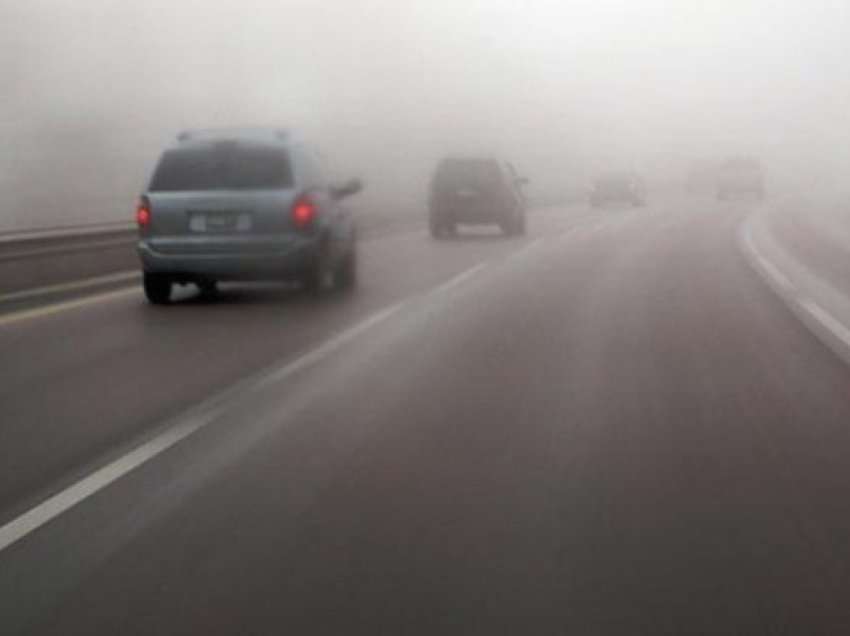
(610, 426)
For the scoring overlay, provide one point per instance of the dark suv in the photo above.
(243, 205)
(476, 192)
(622, 187)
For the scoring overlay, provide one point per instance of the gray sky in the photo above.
(563, 87)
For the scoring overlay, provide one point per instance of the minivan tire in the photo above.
(157, 288)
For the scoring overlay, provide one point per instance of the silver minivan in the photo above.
(244, 205)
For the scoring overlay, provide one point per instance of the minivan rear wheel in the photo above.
(157, 288)
(208, 289)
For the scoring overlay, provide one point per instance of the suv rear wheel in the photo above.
(514, 225)
(345, 276)
(441, 229)
(208, 289)
(157, 288)
(320, 275)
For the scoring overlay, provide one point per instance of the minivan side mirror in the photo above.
(346, 189)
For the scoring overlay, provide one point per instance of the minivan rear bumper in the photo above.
(282, 261)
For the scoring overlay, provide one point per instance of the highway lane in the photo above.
(615, 429)
(82, 384)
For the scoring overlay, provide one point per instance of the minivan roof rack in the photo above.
(208, 133)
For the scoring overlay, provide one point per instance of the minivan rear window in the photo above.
(222, 166)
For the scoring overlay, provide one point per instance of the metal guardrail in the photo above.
(64, 232)
(30, 245)
(39, 258)
(33, 259)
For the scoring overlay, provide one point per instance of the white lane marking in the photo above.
(56, 308)
(77, 284)
(792, 295)
(197, 419)
(325, 349)
(827, 320)
(36, 517)
(525, 249)
(459, 279)
(769, 267)
(780, 278)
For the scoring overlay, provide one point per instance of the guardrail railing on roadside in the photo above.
(69, 231)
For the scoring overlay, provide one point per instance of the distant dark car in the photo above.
(741, 177)
(476, 192)
(618, 188)
(243, 205)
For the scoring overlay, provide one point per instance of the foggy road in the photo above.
(610, 426)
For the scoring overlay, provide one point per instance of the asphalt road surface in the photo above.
(610, 426)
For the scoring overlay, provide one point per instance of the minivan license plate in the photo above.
(220, 222)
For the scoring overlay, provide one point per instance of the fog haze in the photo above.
(92, 89)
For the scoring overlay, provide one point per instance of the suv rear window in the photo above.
(614, 180)
(455, 173)
(222, 166)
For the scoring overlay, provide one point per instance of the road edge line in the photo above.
(831, 331)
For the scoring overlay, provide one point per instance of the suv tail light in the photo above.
(303, 213)
(143, 212)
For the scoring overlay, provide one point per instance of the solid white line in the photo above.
(77, 284)
(201, 416)
(526, 249)
(459, 279)
(827, 320)
(328, 347)
(769, 267)
(48, 310)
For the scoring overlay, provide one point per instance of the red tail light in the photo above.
(303, 212)
(143, 212)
